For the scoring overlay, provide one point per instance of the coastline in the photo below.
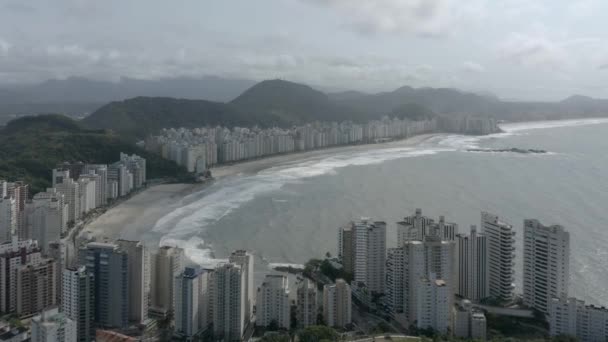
(134, 217)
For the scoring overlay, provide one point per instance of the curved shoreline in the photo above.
(136, 216)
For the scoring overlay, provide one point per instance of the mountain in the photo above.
(76, 96)
(32, 146)
(139, 117)
(292, 103)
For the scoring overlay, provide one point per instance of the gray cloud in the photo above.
(473, 67)
(535, 51)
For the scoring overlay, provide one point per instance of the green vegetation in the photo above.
(268, 103)
(317, 333)
(275, 337)
(516, 327)
(32, 146)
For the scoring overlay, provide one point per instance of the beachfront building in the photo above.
(468, 322)
(571, 317)
(272, 302)
(472, 267)
(306, 304)
(245, 260)
(501, 255)
(167, 263)
(13, 256)
(71, 191)
(77, 301)
(363, 246)
(47, 217)
(191, 302)
(337, 304)
(417, 227)
(138, 281)
(229, 297)
(546, 264)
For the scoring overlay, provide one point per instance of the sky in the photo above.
(515, 49)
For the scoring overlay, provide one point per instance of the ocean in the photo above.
(291, 212)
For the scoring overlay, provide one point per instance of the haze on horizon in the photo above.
(516, 49)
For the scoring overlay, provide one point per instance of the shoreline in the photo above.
(136, 216)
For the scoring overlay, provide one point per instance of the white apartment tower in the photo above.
(71, 190)
(472, 267)
(245, 260)
(367, 252)
(569, 316)
(306, 302)
(53, 326)
(433, 304)
(546, 264)
(167, 263)
(77, 301)
(47, 217)
(337, 304)
(272, 302)
(230, 306)
(501, 255)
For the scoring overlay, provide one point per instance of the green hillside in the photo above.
(32, 146)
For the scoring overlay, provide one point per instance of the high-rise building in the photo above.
(413, 261)
(345, 248)
(53, 326)
(546, 264)
(306, 304)
(229, 299)
(272, 302)
(8, 218)
(47, 217)
(433, 304)
(569, 316)
(472, 267)
(245, 260)
(36, 287)
(413, 227)
(337, 304)
(20, 192)
(71, 191)
(501, 255)
(446, 230)
(77, 301)
(191, 302)
(119, 174)
(166, 264)
(139, 279)
(367, 252)
(101, 182)
(467, 322)
(14, 255)
(110, 268)
(136, 166)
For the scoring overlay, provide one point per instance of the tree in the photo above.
(317, 333)
(564, 338)
(275, 337)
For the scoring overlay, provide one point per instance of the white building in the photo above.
(101, 182)
(569, 316)
(138, 279)
(411, 262)
(501, 255)
(367, 252)
(88, 194)
(337, 304)
(272, 304)
(77, 301)
(433, 304)
(472, 267)
(468, 323)
(191, 302)
(230, 308)
(413, 227)
(546, 264)
(53, 326)
(306, 304)
(245, 260)
(166, 264)
(47, 217)
(71, 191)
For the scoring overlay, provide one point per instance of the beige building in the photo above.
(337, 304)
(307, 306)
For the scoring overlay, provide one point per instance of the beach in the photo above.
(139, 214)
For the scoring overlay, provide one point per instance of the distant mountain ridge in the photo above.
(284, 103)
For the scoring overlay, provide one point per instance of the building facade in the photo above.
(77, 301)
(306, 304)
(272, 302)
(501, 255)
(337, 304)
(472, 267)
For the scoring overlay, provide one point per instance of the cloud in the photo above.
(429, 18)
(603, 66)
(534, 51)
(473, 67)
(4, 47)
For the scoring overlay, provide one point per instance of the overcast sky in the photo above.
(521, 49)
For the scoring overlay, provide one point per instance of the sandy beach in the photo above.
(132, 218)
